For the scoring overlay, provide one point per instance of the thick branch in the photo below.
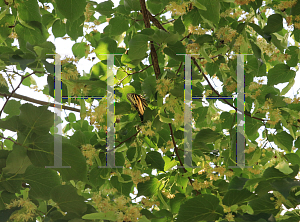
(17, 96)
(155, 21)
(153, 52)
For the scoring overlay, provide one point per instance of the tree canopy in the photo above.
(150, 41)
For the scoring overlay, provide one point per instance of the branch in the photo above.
(15, 95)
(187, 36)
(177, 154)
(153, 52)
(6, 138)
(125, 140)
(216, 92)
(169, 21)
(156, 22)
(10, 95)
(129, 74)
(178, 69)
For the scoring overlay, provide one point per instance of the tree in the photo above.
(150, 64)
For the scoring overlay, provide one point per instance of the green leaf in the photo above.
(274, 24)
(105, 8)
(284, 168)
(117, 25)
(72, 156)
(252, 125)
(37, 119)
(239, 197)
(124, 187)
(203, 207)
(28, 11)
(75, 28)
(132, 5)
(173, 49)
(155, 160)
(165, 119)
(280, 73)
(293, 51)
(138, 47)
(105, 46)
(80, 49)
(59, 28)
(284, 141)
(160, 36)
(207, 136)
(41, 181)
(288, 87)
(292, 158)
(12, 107)
(149, 187)
(256, 50)
(199, 5)
(256, 156)
(192, 17)
(212, 12)
(179, 26)
(154, 7)
(66, 197)
(204, 39)
(71, 9)
(295, 10)
(110, 215)
(17, 161)
(263, 205)
(33, 36)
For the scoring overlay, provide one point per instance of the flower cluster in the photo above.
(27, 213)
(148, 203)
(169, 145)
(231, 14)
(88, 12)
(69, 73)
(3, 81)
(226, 34)
(146, 129)
(89, 152)
(268, 48)
(254, 171)
(197, 30)
(230, 84)
(121, 205)
(193, 48)
(136, 176)
(197, 185)
(176, 9)
(279, 57)
(243, 2)
(99, 115)
(163, 86)
(285, 4)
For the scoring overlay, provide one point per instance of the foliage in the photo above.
(215, 191)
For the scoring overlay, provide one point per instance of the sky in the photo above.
(64, 48)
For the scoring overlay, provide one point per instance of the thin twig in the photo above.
(9, 96)
(187, 36)
(177, 154)
(178, 69)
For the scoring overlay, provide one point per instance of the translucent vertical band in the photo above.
(240, 134)
(240, 143)
(110, 138)
(57, 111)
